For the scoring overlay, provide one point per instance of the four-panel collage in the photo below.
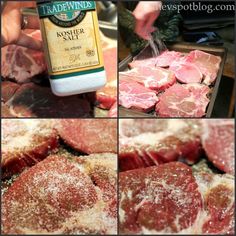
(117, 117)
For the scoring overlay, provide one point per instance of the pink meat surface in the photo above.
(167, 57)
(148, 142)
(113, 110)
(163, 60)
(20, 63)
(207, 63)
(183, 101)
(219, 143)
(107, 95)
(154, 78)
(133, 95)
(186, 72)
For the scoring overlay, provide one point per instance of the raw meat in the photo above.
(218, 141)
(163, 60)
(152, 142)
(135, 96)
(37, 202)
(162, 199)
(188, 100)
(113, 110)
(108, 95)
(186, 72)
(153, 78)
(22, 64)
(207, 63)
(24, 143)
(88, 135)
(8, 90)
(218, 195)
(31, 100)
(170, 199)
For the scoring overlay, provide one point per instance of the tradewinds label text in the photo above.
(64, 7)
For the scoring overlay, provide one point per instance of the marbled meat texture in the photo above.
(170, 199)
(32, 100)
(162, 199)
(135, 96)
(22, 64)
(154, 78)
(207, 63)
(189, 100)
(24, 143)
(218, 139)
(146, 142)
(63, 196)
(88, 135)
(163, 60)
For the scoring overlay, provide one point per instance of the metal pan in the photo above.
(184, 48)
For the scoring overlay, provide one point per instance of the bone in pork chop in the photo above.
(133, 95)
(188, 100)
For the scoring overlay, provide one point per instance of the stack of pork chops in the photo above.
(59, 176)
(177, 176)
(179, 81)
(24, 72)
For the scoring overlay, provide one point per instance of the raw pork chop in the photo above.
(218, 141)
(207, 63)
(88, 135)
(154, 78)
(188, 100)
(186, 72)
(20, 63)
(108, 95)
(63, 196)
(161, 199)
(163, 60)
(24, 143)
(31, 100)
(133, 95)
(152, 142)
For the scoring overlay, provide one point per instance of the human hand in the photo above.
(12, 22)
(145, 13)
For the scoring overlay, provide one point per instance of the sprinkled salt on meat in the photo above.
(154, 78)
(24, 143)
(207, 63)
(218, 195)
(37, 202)
(218, 141)
(31, 100)
(153, 142)
(162, 199)
(135, 96)
(188, 100)
(88, 135)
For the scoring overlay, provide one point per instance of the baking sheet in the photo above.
(184, 48)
